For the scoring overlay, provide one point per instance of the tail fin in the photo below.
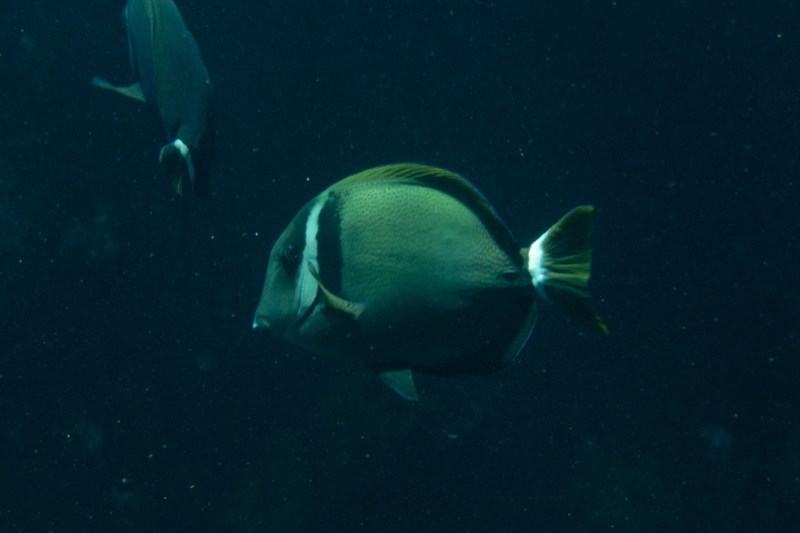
(175, 163)
(560, 264)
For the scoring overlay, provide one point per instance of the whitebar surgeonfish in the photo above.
(171, 76)
(408, 268)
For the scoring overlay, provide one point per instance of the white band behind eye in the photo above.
(307, 285)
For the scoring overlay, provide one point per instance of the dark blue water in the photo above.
(135, 397)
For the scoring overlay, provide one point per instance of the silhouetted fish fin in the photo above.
(402, 382)
(560, 263)
(132, 91)
(175, 164)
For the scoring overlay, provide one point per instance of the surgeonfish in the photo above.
(171, 76)
(407, 268)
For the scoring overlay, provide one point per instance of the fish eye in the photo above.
(290, 257)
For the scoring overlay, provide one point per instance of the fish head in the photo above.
(290, 289)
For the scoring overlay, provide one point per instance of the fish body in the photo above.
(406, 268)
(172, 77)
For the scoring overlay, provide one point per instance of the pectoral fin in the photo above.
(131, 91)
(402, 382)
(337, 303)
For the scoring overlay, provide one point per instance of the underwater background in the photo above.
(135, 396)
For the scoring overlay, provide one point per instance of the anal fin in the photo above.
(402, 382)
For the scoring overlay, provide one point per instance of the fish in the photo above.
(172, 77)
(407, 268)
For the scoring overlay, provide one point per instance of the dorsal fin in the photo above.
(444, 181)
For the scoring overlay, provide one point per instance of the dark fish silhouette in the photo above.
(172, 77)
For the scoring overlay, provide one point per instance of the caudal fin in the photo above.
(175, 164)
(560, 263)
